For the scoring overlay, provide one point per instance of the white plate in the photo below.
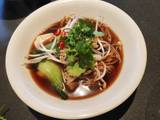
(128, 80)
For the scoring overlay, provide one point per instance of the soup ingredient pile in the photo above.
(76, 51)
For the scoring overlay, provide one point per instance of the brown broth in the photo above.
(45, 85)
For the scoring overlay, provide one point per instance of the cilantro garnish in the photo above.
(79, 43)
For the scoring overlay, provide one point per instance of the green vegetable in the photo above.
(71, 58)
(86, 59)
(98, 34)
(53, 73)
(75, 70)
(80, 31)
(79, 42)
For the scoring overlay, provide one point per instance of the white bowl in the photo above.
(128, 80)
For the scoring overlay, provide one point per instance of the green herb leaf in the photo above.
(71, 58)
(80, 40)
(75, 70)
(98, 34)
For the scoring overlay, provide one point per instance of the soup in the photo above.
(75, 58)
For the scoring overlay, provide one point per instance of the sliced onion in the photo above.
(49, 54)
(70, 24)
(53, 43)
(55, 59)
(43, 48)
(36, 55)
(75, 19)
(36, 60)
(97, 21)
(67, 25)
(42, 38)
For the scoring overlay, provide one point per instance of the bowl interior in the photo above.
(129, 78)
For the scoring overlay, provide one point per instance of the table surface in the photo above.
(144, 103)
